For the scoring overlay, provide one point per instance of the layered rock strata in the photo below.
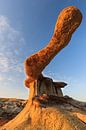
(45, 85)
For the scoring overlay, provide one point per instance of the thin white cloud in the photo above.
(11, 47)
(20, 68)
(2, 78)
(4, 63)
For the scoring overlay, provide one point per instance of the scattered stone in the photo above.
(9, 108)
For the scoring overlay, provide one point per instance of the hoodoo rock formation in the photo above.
(45, 109)
(44, 85)
(67, 22)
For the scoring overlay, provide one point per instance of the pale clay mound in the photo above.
(57, 113)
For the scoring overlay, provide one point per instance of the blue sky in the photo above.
(26, 26)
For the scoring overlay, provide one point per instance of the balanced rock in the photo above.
(46, 110)
(45, 85)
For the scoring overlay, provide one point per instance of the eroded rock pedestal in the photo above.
(68, 21)
(42, 111)
(44, 86)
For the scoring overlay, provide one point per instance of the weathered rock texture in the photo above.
(47, 111)
(67, 22)
(9, 108)
(52, 113)
(45, 85)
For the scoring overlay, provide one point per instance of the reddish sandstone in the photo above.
(67, 22)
